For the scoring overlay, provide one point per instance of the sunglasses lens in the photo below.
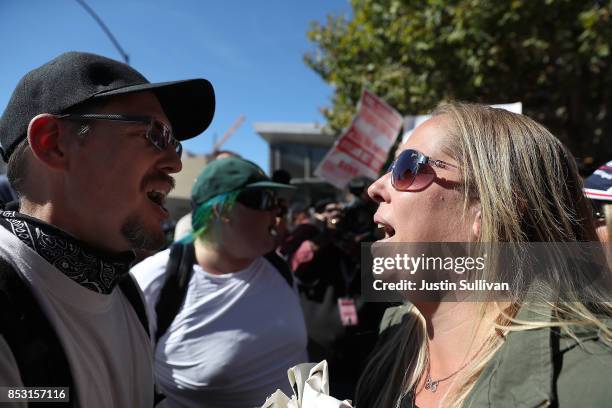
(404, 169)
(161, 136)
(423, 178)
(258, 199)
(409, 174)
(157, 135)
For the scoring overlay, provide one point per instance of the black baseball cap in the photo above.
(231, 174)
(76, 77)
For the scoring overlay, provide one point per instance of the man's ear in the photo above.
(44, 134)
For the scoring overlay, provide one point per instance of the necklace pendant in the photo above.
(431, 385)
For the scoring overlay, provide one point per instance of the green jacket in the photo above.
(540, 368)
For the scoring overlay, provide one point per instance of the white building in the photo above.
(298, 148)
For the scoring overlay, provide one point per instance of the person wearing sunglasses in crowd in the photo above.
(90, 145)
(240, 326)
(477, 174)
(598, 188)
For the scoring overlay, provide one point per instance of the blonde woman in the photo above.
(477, 174)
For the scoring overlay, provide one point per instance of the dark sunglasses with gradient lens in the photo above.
(158, 133)
(258, 199)
(413, 171)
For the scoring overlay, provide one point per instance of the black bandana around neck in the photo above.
(88, 267)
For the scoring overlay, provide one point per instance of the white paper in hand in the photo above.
(310, 383)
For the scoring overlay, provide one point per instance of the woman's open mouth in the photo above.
(386, 229)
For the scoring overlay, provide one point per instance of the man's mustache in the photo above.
(158, 176)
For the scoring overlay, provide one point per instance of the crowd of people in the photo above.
(255, 283)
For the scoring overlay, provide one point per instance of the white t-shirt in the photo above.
(107, 348)
(233, 339)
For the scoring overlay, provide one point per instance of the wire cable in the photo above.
(110, 35)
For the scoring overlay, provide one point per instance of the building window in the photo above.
(293, 159)
(316, 154)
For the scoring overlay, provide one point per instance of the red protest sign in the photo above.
(363, 148)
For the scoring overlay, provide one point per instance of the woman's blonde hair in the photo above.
(527, 185)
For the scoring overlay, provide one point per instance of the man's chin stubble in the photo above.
(134, 231)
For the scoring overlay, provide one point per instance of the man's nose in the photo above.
(171, 162)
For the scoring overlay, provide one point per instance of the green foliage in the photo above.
(553, 55)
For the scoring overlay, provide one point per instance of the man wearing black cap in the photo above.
(90, 144)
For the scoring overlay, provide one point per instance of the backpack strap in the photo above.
(281, 266)
(130, 290)
(172, 294)
(132, 293)
(40, 357)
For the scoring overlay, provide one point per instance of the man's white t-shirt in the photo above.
(108, 350)
(233, 339)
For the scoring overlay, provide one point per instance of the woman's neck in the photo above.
(456, 333)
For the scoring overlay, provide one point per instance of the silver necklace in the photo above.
(432, 385)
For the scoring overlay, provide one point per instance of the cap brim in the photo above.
(601, 195)
(270, 184)
(189, 104)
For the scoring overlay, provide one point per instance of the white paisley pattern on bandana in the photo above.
(86, 266)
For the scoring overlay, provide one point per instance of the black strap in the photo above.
(37, 350)
(9, 206)
(281, 266)
(132, 293)
(174, 289)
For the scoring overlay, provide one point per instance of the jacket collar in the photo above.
(522, 372)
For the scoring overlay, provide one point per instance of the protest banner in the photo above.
(362, 149)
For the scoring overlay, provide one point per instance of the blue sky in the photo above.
(251, 51)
